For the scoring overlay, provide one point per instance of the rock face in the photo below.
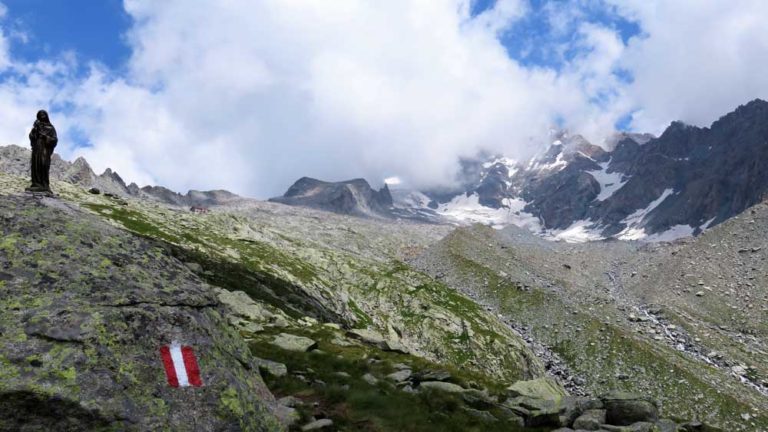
(84, 311)
(617, 310)
(353, 197)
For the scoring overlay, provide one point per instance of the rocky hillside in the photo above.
(339, 284)
(682, 323)
(304, 319)
(86, 308)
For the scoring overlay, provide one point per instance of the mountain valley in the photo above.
(390, 310)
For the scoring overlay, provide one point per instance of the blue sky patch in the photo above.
(93, 29)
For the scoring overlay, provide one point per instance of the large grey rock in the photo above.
(484, 416)
(294, 343)
(370, 379)
(642, 427)
(590, 420)
(317, 424)
(288, 416)
(441, 386)
(666, 425)
(245, 307)
(368, 336)
(478, 399)
(271, 367)
(399, 376)
(81, 334)
(540, 388)
(624, 409)
(394, 346)
(537, 412)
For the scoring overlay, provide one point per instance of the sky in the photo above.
(250, 95)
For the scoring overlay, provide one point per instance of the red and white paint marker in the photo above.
(180, 366)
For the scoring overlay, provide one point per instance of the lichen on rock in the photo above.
(84, 311)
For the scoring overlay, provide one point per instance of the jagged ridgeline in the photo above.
(631, 187)
(302, 319)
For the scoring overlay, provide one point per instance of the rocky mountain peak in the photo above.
(354, 196)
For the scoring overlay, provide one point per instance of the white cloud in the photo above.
(700, 59)
(328, 89)
(251, 95)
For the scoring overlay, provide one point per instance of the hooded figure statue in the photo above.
(43, 140)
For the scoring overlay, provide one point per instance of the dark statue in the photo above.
(43, 140)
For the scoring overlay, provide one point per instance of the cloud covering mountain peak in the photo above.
(250, 95)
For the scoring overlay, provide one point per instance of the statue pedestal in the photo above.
(39, 193)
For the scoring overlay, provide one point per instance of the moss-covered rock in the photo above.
(84, 311)
(540, 388)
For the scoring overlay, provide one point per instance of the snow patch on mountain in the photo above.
(634, 230)
(559, 164)
(708, 223)
(579, 232)
(467, 209)
(672, 234)
(609, 182)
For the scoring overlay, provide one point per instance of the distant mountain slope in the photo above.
(354, 197)
(682, 322)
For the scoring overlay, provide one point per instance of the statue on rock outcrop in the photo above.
(43, 140)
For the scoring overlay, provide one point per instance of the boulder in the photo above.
(590, 420)
(317, 424)
(540, 388)
(368, 336)
(442, 386)
(478, 399)
(271, 367)
(483, 416)
(394, 346)
(624, 409)
(432, 375)
(370, 379)
(572, 407)
(288, 416)
(194, 267)
(642, 427)
(243, 306)
(666, 425)
(399, 376)
(508, 415)
(294, 343)
(536, 412)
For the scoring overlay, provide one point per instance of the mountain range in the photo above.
(639, 187)
(356, 315)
